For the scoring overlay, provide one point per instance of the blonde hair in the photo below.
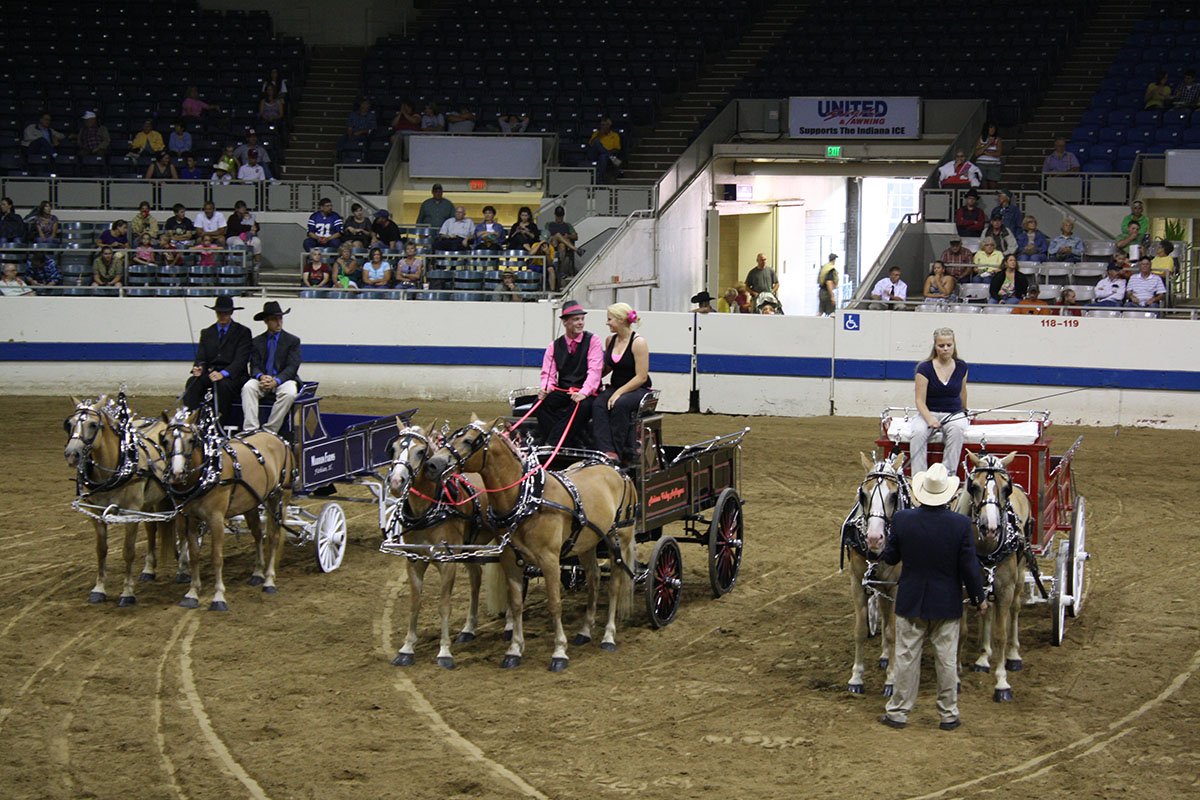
(942, 332)
(623, 312)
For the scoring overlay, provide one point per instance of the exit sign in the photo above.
(480, 186)
(833, 151)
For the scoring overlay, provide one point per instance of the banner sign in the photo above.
(854, 117)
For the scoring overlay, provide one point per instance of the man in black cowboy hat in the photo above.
(575, 362)
(703, 301)
(274, 364)
(220, 362)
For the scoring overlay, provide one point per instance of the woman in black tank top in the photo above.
(627, 362)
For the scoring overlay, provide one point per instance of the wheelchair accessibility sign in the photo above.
(850, 322)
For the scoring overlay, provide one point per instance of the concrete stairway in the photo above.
(1071, 90)
(334, 83)
(659, 146)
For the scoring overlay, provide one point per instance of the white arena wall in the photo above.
(1118, 371)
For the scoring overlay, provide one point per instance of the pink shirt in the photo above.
(193, 107)
(595, 362)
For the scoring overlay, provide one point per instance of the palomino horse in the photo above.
(116, 461)
(432, 516)
(881, 494)
(1000, 512)
(211, 478)
(549, 516)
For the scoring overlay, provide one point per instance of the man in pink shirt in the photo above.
(575, 362)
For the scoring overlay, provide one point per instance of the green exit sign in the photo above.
(833, 151)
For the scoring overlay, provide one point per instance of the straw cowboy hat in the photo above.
(934, 486)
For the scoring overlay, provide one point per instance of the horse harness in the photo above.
(132, 446)
(854, 529)
(1014, 540)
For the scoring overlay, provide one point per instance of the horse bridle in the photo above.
(120, 422)
(882, 471)
(1000, 501)
(73, 425)
(480, 442)
(405, 436)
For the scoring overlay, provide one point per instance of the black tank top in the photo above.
(622, 371)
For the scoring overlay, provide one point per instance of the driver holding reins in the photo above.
(941, 395)
(575, 362)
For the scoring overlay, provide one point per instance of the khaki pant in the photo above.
(910, 637)
(252, 392)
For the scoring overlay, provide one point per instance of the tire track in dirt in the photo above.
(156, 710)
(31, 605)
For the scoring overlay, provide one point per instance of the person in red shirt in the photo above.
(970, 218)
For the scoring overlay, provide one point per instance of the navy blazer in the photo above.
(938, 552)
(287, 356)
(229, 354)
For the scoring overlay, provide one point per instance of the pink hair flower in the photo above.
(631, 316)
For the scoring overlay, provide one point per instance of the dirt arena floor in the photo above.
(293, 696)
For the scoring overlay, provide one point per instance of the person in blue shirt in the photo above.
(1008, 211)
(324, 226)
(941, 398)
(191, 171)
(274, 368)
(180, 141)
(1032, 244)
(359, 125)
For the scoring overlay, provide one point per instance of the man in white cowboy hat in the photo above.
(938, 552)
(220, 362)
(274, 368)
(575, 362)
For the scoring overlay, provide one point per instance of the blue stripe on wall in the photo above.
(785, 366)
(1029, 374)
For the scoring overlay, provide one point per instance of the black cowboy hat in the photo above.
(224, 303)
(270, 309)
(702, 297)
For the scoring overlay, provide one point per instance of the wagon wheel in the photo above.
(664, 583)
(330, 537)
(1077, 548)
(725, 542)
(1058, 606)
(874, 620)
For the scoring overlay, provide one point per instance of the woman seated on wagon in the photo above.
(941, 394)
(627, 361)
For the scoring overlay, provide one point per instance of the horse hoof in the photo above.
(464, 637)
(270, 589)
(883, 663)
(558, 664)
(97, 597)
(189, 602)
(608, 647)
(403, 660)
(256, 580)
(508, 636)
(887, 690)
(580, 639)
(1003, 695)
(855, 688)
(146, 577)
(126, 602)
(183, 577)
(1014, 665)
(978, 668)
(218, 605)
(510, 662)
(445, 662)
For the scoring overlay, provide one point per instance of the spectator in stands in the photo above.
(93, 137)
(211, 221)
(507, 291)
(489, 234)
(562, 236)
(728, 304)
(385, 232)
(223, 172)
(168, 255)
(524, 233)
(316, 273)
(1111, 289)
(406, 120)
(275, 80)
(513, 123)
(117, 238)
(241, 230)
(194, 107)
(1071, 307)
(604, 148)
(435, 210)
(456, 232)
(1137, 213)
(144, 254)
(360, 123)
(959, 172)
(432, 120)
(357, 228)
(206, 257)
(142, 222)
(1121, 259)
(107, 270)
(377, 273)
(40, 138)
(44, 225)
(461, 121)
(1188, 95)
(767, 303)
(939, 285)
(989, 154)
(180, 141)
(987, 261)
(1145, 289)
(962, 273)
(12, 227)
(162, 169)
(43, 271)
(703, 301)
(1134, 237)
(191, 171)
(1158, 93)
(410, 270)
(1163, 264)
(180, 229)
(1032, 304)
(1009, 284)
(241, 154)
(146, 142)
(11, 284)
(1007, 211)
(346, 271)
(1066, 246)
(270, 105)
(1032, 244)
(324, 226)
(1001, 236)
(251, 171)
(956, 253)
(969, 219)
(1060, 160)
(889, 291)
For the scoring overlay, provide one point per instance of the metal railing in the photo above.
(441, 267)
(1106, 188)
(598, 257)
(925, 305)
(194, 267)
(590, 200)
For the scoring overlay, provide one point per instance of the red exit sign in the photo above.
(477, 186)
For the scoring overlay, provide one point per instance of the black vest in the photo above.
(572, 367)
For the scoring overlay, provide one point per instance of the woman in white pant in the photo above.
(941, 403)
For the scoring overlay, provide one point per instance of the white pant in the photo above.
(254, 242)
(953, 433)
(252, 392)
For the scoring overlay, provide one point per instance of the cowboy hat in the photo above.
(270, 309)
(934, 486)
(702, 297)
(571, 309)
(224, 303)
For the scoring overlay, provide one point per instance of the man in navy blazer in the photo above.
(938, 551)
(274, 367)
(220, 363)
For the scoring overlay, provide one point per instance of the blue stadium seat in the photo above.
(1143, 118)
(1112, 136)
(1141, 135)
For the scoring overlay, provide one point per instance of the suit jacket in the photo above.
(231, 354)
(938, 552)
(287, 357)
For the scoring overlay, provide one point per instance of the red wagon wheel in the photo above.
(664, 583)
(725, 542)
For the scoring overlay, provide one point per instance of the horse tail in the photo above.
(165, 531)
(495, 589)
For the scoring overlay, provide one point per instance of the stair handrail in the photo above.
(598, 256)
(885, 255)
